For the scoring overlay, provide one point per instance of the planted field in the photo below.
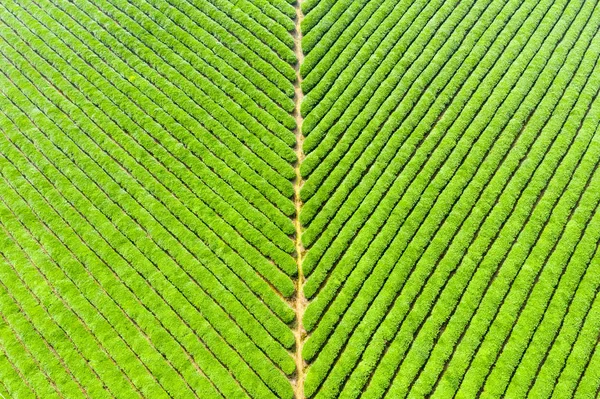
(270, 199)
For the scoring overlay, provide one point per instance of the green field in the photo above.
(325, 199)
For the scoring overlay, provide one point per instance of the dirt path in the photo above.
(300, 301)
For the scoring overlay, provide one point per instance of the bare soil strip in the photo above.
(300, 300)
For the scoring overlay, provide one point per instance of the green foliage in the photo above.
(419, 165)
(448, 201)
(145, 176)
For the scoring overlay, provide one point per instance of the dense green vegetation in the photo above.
(450, 193)
(270, 199)
(146, 199)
